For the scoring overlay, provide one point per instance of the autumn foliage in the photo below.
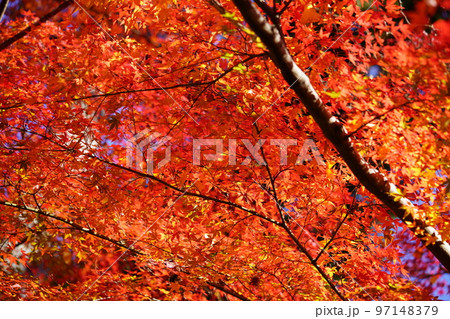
(81, 218)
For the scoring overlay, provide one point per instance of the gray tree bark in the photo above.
(375, 181)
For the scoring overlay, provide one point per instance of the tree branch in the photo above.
(221, 287)
(207, 84)
(205, 197)
(74, 225)
(286, 6)
(314, 262)
(119, 243)
(27, 30)
(156, 179)
(376, 182)
(377, 117)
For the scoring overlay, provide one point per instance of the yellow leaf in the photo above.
(333, 95)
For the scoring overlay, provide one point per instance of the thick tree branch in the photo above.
(372, 179)
(27, 30)
(3, 6)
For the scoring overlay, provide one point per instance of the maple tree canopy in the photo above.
(224, 150)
